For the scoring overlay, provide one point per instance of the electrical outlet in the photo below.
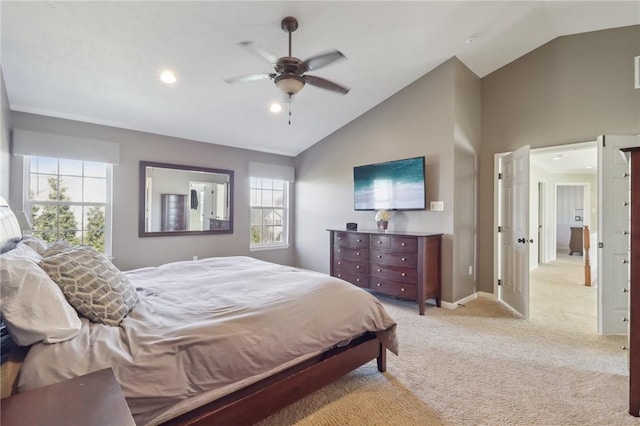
(437, 206)
(470, 269)
(195, 257)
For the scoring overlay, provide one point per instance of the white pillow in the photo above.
(33, 306)
(34, 242)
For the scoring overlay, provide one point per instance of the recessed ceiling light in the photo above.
(471, 39)
(168, 77)
(275, 107)
(558, 157)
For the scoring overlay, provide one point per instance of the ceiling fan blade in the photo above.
(325, 84)
(259, 51)
(319, 61)
(247, 78)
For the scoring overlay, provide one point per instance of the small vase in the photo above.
(382, 225)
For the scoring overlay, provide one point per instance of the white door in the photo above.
(514, 238)
(613, 227)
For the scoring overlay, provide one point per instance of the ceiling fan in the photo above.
(290, 72)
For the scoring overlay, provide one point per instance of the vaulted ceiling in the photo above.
(100, 62)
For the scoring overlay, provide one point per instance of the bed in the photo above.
(225, 340)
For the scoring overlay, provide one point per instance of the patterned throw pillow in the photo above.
(92, 284)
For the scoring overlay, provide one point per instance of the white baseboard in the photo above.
(477, 294)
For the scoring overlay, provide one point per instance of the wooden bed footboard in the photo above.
(249, 405)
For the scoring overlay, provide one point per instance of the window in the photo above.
(70, 200)
(269, 202)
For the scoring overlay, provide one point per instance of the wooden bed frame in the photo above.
(255, 402)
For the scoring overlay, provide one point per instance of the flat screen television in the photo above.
(393, 185)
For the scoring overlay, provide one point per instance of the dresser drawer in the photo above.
(404, 244)
(405, 275)
(351, 253)
(355, 279)
(351, 266)
(351, 239)
(407, 260)
(380, 242)
(393, 288)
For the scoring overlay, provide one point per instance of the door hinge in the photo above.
(499, 175)
(600, 245)
(603, 141)
(499, 228)
(499, 282)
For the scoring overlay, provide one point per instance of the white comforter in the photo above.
(205, 324)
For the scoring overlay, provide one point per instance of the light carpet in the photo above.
(482, 364)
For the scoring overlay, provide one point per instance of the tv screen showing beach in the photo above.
(394, 185)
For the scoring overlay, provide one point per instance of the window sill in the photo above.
(268, 247)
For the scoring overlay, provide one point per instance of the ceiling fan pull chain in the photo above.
(289, 109)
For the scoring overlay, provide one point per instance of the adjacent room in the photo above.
(312, 213)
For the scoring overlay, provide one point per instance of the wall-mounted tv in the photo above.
(393, 185)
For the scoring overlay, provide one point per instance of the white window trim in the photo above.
(286, 214)
(108, 206)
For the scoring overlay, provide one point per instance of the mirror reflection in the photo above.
(181, 200)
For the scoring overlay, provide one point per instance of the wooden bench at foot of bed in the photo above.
(249, 405)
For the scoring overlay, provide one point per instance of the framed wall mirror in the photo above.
(184, 200)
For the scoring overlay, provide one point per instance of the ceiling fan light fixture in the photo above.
(289, 83)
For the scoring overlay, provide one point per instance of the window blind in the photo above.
(271, 171)
(28, 142)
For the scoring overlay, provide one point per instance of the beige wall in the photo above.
(572, 89)
(5, 126)
(419, 120)
(129, 250)
(551, 181)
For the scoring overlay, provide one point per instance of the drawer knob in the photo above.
(357, 266)
(379, 242)
(379, 270)
(625, 319)
(339, 263)
(379, 256)
(625, 232)
(358, 279)
(357, 253)
(402, 289)
(625, 290)
(404, 275)
(339, 275)
(339, 250)
(625, 261)
(359, 241)
(404, 259)
(403, 244)
(339, 238)
(379, 285)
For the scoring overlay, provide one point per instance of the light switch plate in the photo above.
(437, 206)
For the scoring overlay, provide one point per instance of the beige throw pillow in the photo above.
(92, 284)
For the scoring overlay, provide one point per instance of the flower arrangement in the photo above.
(382, 215)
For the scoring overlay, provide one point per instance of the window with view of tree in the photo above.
(70, 200)
(269, 212)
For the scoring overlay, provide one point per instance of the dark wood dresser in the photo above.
(405, 265)
(634, 285)
(174, 212)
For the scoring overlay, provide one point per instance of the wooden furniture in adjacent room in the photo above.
(218, 224)
(634, 285)
(575, 243)
(405, 265)
(91, 400)
(174, 212)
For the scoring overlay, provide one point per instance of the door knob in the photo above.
(522, 240)
(531, 240)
